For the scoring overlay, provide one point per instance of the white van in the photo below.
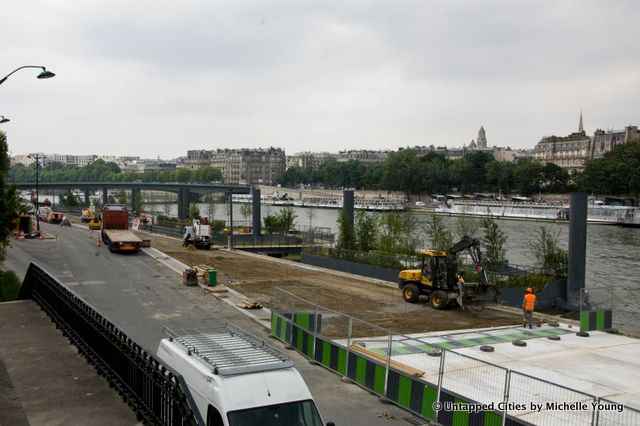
(236, 379)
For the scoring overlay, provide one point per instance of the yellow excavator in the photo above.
(440, 281)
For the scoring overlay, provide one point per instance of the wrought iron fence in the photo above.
(154, 391)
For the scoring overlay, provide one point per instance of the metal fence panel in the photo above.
(477, 380)
(540, 402)
(611, 413)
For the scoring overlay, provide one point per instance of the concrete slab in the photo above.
(570, 370)
(47, 381)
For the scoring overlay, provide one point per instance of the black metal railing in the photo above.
(156, 393)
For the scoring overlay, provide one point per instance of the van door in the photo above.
(214, 418)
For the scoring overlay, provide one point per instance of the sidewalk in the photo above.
(43, 379)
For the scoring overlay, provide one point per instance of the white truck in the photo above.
(197, 234)
(237, 379)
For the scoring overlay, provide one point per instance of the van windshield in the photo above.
(299, 413)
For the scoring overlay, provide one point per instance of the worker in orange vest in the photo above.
(528, 305)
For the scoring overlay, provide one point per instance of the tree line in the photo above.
(477, 171)
(404, 170)
(101, 171)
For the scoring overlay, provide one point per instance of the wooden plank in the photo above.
(395, 364)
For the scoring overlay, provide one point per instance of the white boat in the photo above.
(551, 212)
(325, 203)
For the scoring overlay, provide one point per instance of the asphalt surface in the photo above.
(141, 296)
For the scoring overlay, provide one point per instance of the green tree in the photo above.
(403, 172)
(69, 200)
(245, 210)
(439, 236)
(554, 178)
(9, 201)
(281, 222)
(347, 237)
(397, 234)
(210, 205)
(548, 255)
(194, 211)
(499, 175)
(436, 178)
(465, 224)
(121, 196)
(528, 177)
(493, 241)
(366, 225)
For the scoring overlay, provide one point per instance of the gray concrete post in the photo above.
(182, 214)
(347, 206)
(257, 221)
(87, 200)
(135, 195)
(577, 247)
(105, 196)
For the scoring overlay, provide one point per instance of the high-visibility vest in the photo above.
(529, 301)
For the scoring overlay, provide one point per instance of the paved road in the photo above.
(141, 295)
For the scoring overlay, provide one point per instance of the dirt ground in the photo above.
(257, 277)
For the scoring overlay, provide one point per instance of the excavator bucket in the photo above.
(475, 296)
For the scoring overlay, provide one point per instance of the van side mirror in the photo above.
(331, 424)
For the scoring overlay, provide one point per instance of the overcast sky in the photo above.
(157, 78)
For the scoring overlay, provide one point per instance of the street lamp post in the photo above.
(37, 157)
(44, 74)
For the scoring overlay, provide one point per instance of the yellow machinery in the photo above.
(438, 278)
(95, 222)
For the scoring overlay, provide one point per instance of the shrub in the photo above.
(550, 258)
(9, 286)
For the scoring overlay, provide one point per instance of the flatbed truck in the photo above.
(115, 232)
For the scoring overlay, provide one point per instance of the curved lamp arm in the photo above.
(43, 74)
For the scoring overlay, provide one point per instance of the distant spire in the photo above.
(580, 127)
(481, 140)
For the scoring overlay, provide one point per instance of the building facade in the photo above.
(569, 152)
(242, 166)
(310, 160)
(606, 141)
(363, 156)
(573, 151)
(198, 158)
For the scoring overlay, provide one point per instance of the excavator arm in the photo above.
(482, 291)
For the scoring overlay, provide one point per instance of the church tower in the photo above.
(580, 127)
(481, 140)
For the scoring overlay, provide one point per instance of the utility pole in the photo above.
(37, 157)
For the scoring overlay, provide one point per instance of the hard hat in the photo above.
(529, 290)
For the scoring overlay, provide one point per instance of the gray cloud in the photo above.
(162, 77)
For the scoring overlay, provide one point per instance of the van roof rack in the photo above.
(229, 350)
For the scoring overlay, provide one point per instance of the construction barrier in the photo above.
(428, 378)
(295, 329)
(596, 308)
(412, 394)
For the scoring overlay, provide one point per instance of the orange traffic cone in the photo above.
(97, 241)
(91, 233)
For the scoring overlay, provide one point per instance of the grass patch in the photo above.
(293, 257)
(9, 286)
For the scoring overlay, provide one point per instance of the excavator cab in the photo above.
(440, 280)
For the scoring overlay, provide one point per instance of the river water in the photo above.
(612, 261)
